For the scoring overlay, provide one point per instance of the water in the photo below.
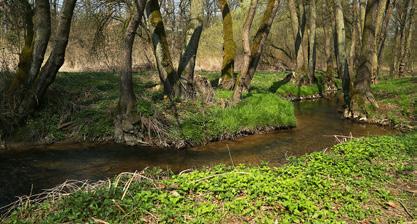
(32, 170)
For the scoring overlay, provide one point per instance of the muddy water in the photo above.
(37, 169)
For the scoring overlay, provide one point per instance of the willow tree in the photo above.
(253, 51)
(32, 79)
(228, 79)
(361, 94)
(127, 99)
(168, 75)
(342, 64)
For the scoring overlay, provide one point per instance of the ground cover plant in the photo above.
(363, 180)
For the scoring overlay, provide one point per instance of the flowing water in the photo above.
(31, 170)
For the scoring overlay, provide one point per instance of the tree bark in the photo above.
(192, 39)
(127, 99)
(406, 36)
(229, 47)
(252, 56)
(298, 33)
(384, 31)
(312, 43)
(341, 50)
(362, 95)
(328, 31)
(167, 73)
(246, 49)
(380, 13)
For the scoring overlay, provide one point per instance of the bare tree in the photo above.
(342, 65)
(127, 99)
(253, 52)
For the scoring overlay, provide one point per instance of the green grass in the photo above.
(255, 112)
(397, 99)
(358, 181)
(82, 107)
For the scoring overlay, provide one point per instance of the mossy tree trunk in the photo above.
(167, 74)
(228, 78)
(32, 81)
(362, 96)
(342, 65)
(186, 65)
(312, 41)
(127, 98)
(253, 52)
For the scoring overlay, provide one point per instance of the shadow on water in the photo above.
(37, 169)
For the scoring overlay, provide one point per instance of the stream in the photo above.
(32, 170)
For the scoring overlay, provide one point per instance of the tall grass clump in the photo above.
(254, 113)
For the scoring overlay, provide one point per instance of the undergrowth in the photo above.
(349, 183)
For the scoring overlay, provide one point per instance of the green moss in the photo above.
(351, 183)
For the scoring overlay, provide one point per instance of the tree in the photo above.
(253, 52)
(192, 39)
(32, 79)
(382, 5)
(298, 27)
(312, 41)
(170, 77)
(127, 99)
(167, 74)
(229, 47)
(362, 95)
(342, 65)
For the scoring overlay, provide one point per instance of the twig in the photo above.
(406, 210)
(230, 155)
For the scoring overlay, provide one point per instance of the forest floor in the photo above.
(81, 107)
(364, 180)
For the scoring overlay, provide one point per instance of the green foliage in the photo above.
(397, 99)
(348, 184)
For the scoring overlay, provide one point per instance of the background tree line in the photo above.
(357, 41)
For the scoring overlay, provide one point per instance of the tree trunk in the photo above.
(229, 47)
(380, 13)
(384, 31)
(192, 39)
(47, 74)
(312, 39)
(167, 73)
(298, 33)
(327, 27)
(406, 35)
(127, 99)
(341, 50)
(362, 95)
(252, 56)
(355, 37)
(246, 49)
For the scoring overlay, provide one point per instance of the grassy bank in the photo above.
(397, 99)
(82, 107)
(367, 180)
